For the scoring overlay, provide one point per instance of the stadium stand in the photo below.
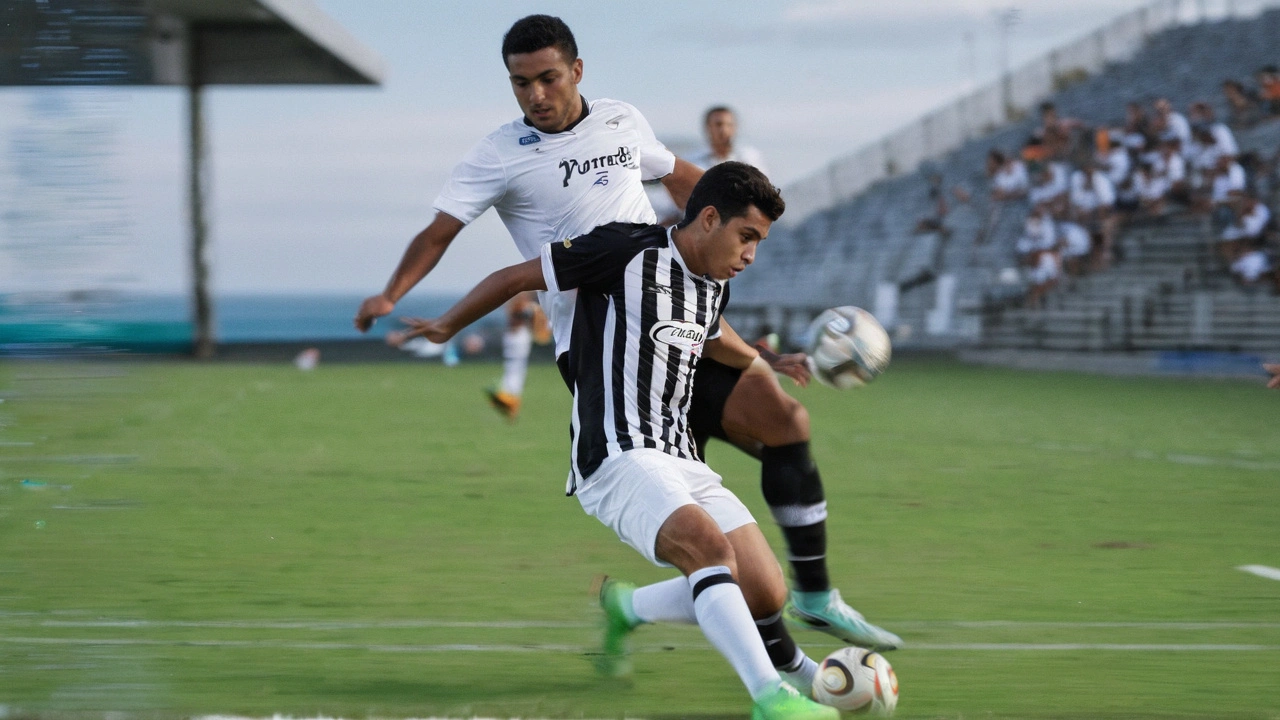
(951, 281)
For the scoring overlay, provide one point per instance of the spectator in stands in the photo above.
(1038, 233)
(1055, 132)
(1112, 156)
(1137, 127)
(1046, 268)
(1075, 246)
(936, 220)
(1150, 188)
(1008, 176)
(1252, 221)
(1224, 141)
(1169, 123)
(1269, 89)
(1092, 202)
(1254, 266)
(1226, 182)
(1049, 189)
(1202, 156)
(1242, 104)
(1170, 165)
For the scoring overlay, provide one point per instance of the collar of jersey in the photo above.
(586, 110)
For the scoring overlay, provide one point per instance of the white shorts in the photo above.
(634, 493)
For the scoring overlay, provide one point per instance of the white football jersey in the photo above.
(548, 187)
(706, 158)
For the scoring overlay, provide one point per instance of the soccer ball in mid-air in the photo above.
(854, 679)
(847, 347)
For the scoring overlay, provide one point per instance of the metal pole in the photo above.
(202, 305)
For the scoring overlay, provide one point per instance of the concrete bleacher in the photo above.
(1168, 291)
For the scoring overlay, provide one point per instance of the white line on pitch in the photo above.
(467, 647)
(1269, 573)
(34, 619)
(318, 625)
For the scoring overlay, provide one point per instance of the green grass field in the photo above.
(373, 541)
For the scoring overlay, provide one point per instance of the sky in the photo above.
(318, 190)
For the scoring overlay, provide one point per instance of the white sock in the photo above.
(725, 620)
(516, 345)
(801, 672)
(667, 601)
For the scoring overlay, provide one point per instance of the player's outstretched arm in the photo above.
(420, 258)
(483, 299)
(681, 181)
(793, 365)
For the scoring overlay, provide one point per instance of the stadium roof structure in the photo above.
(188, 43)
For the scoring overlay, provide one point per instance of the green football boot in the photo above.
(827, 612)
(786, 703)
(619, 620)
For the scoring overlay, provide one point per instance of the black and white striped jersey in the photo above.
(638, 330)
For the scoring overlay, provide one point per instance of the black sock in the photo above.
(808, 556)
(793, 489)
(778, 643)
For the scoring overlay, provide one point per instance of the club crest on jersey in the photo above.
(685, 335)
(622, 157)
(530, 139)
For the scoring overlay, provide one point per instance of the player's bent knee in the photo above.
(763, 411)
(690, 540)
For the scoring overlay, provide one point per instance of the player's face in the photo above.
(721, 128)
(546, 88)
(731, 247)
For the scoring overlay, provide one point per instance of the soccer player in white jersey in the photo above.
(720, 125)
(568, 166)
(647, 307)
(523, 320)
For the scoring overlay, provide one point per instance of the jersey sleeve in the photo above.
(475, 185)
(656, 161)
(587, 261)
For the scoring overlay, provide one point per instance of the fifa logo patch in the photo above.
(530, 139)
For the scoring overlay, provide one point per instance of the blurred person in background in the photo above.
(1008, 176)
(1112, 156)
(1092, 204)
(720, 127)
(525, 324)
(1151, 188)
(1224, 140)
(1242, 104)
(1137, 127)
(1269, 89)
(1169, 123)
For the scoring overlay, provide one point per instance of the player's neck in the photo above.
(687, 244)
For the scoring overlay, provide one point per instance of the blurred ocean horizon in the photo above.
(237, 318)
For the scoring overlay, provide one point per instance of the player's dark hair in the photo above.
(535, 32)
(732, 187)
(706, 117)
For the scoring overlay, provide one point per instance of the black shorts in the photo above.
(712, 384)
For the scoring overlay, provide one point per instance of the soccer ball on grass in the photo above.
(847, 347)
(854, 679)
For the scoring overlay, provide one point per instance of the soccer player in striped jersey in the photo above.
(648, 307)
(569, 165)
